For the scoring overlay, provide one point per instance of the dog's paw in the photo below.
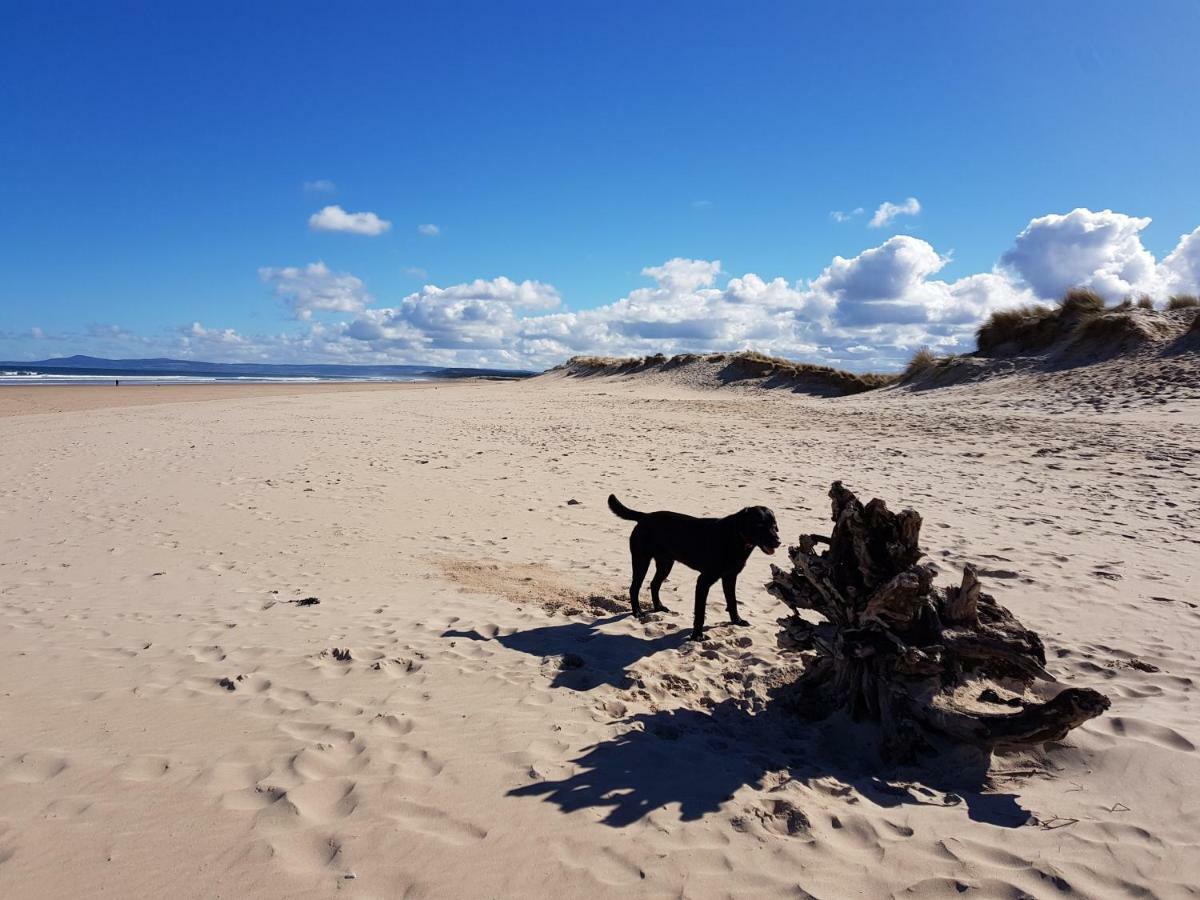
(697, 636)
(738, 621)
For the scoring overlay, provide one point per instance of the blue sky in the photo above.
(154, 161)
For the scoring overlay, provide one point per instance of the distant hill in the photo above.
(163, 366)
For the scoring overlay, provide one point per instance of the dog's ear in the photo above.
(745, 523)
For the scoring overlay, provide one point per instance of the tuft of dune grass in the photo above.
(1081, 302)
(922, 361)
(1029, 327)
(1183, 301)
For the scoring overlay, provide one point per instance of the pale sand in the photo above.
(148, 552)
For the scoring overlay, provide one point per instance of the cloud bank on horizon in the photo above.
(870, 311)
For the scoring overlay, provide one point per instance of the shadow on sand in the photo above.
(698, 759)
(590, 657)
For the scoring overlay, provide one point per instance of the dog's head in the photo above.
(756, 525)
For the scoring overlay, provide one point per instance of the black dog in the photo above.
(716, 548)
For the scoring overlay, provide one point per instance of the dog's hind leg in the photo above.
(662, 568)
(729, 583)
(641, 564)
(703, 583)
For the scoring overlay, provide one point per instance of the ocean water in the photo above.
(17, 376)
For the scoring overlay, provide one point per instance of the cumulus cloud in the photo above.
(482, 314)
(429, 230)
(881, 284)
(684, 274)
(1180, 270)
(334, 218)
(1099, 250)
(315, 287)
(888, 211)
(198, 333)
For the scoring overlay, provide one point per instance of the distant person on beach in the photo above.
(116, 382)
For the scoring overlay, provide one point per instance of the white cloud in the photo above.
(1099, 250)
(886, 272)
(888, 211)
(198, 334)
(1180, 271)
(838, 216)
(334, 218)
(315, 287)
(415, 272)
(429, 230)
(481, 315)
(684, 274)
(320, 186)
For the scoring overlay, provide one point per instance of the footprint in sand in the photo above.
(392, 725)
(323, 801)
(309, 851)
(34, 767)
(66, 808)
(329, 760)
(144, 768)
(435, 823)
(207, 654)
(412, 762)
(230, 775)
(1139, 729)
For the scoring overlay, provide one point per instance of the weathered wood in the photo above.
(895, 648)
(962, 603)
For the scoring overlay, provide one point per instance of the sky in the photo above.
(510, 184)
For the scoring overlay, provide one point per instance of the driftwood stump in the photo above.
(917, 658)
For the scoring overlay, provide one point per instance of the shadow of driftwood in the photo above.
(697, 760)
(588, 656)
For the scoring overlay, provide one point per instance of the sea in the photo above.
(18, 374)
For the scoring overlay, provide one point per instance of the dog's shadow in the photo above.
(587, 657)
(697, 760)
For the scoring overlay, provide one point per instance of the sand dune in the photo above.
(468, 710)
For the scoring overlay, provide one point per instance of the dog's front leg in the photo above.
(729, 583)
(703, 583)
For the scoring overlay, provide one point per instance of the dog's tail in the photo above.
(624, 511)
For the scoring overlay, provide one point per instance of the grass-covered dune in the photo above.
(1078, 330)
(726, 368)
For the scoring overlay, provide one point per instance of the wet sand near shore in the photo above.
(19, 400)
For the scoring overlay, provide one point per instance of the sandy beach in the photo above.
(469, 710)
